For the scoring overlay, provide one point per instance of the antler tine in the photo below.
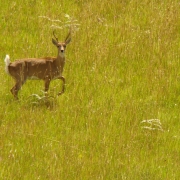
(55, 35)
(69, 34)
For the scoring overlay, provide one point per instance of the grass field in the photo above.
(119, 117)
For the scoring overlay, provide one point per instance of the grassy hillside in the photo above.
(122, 68)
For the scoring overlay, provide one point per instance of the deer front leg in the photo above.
(47, 82)
(63, 88)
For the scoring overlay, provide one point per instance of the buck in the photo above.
(46, 69)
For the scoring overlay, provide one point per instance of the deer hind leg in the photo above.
(15, 89)
(63, 88)
(20, 78)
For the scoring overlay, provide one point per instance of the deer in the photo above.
(46, 68)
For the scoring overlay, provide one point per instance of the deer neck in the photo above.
(60, 61)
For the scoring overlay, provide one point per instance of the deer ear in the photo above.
(54, 42)
(68, 41)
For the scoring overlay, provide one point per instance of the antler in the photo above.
(68, 38)
(55, 35)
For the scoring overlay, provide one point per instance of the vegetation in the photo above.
(119, 117)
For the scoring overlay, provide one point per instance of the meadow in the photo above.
(119, 117)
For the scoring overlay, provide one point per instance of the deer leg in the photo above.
(47, 82)
(16, 88)
(63, 88)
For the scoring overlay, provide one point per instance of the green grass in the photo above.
(122, 68)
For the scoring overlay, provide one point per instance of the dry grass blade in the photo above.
(152, 124)
(38, 100)
(58, 24)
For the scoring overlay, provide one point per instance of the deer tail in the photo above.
(7, 62)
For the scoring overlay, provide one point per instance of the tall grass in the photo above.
(122, 72)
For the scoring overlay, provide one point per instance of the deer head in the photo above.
(61, 45)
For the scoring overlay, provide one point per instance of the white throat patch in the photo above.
(62, 54)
